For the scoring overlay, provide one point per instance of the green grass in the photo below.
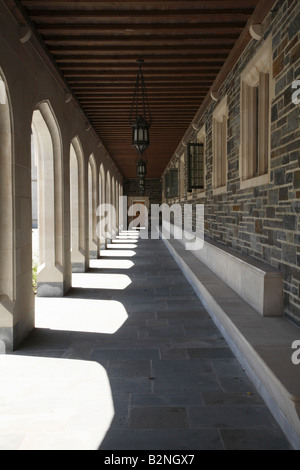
(34, 275)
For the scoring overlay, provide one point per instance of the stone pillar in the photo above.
(79, 251)
(102, 200)
(94, 242)
(108, 235)
(7, 229)
(47, 145)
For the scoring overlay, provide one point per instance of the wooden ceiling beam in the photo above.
(106, 122)
(128, 55)
(76, 17)
(105, 74)
(151, 81)
(106, 86)
(149, 69)
(158, 39)
(117, 102)
(105, 118)
(145, 28)
(150, 60)
(95, 44)
(138, 5)
(206, 45)
(114, 93)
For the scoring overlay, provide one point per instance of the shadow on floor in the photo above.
(173, 381)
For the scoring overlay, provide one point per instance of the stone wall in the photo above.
(153, 189)
(262, 221)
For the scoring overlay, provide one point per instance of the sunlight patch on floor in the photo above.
(95, 280)
(124, 241)
(84, 315)
(115, 246)
(117, 253)
(53, 404)
(111, 264)
(134, 235)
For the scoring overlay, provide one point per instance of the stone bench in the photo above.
(257, 283)
(262, 343)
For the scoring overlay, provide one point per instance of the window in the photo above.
(171, 183)
(256, 92)
(168, 185)
(174, 184)
(220, 117)
(195, 154)
(182, 176)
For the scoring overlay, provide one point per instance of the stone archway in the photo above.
(108, 201)
(79, 256)
(46, 146)
(93, 190)
(7, 226)
(102, 200)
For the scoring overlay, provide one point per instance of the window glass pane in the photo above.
(195, 166)
(174, 174)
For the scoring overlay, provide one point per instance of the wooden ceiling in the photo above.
(96, 44)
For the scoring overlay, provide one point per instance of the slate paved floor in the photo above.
(174, 381)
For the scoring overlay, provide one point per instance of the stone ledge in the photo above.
(257, 283)
(262, 344)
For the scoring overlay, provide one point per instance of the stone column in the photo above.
(94, 242)
(79, 251)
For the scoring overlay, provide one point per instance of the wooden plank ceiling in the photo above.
(96, 44)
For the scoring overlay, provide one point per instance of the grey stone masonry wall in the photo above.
(262, 221)
(153, 189)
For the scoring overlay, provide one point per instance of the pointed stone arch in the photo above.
(108, 200)
(47, 146)
(117, 203)
(7, 224)
(79, 249)
(122, 209)
(93, 190)
(113, 203)
(102, 194)
(102, 200)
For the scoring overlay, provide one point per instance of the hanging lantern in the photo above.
(141, 168)
(142, 185)
(140, 135)
(140, 116)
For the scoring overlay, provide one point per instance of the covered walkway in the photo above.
(129, 359)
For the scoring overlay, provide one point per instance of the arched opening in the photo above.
(47, 203)
(122, 209)
(108, 235)
(93, 190)
(113, 203)
(77, 208)
(7, 229)
(117, 203)
(102, 200)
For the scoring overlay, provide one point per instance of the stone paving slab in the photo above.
(163, 439)
(173, 382)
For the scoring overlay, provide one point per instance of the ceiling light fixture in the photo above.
(140, 121)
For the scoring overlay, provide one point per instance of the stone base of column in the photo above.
(12, 337)
(79, 267)
(6, 340)
(94, 254)
(51, 289)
